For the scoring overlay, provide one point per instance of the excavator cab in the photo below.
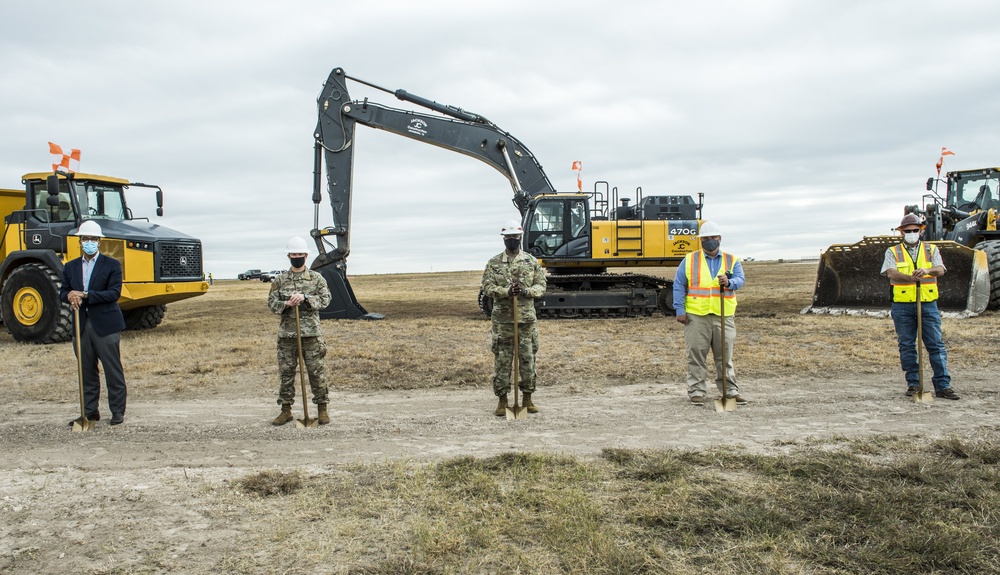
(557, 226)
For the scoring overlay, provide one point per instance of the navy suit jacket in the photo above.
(101, 305)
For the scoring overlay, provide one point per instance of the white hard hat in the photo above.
(89, 228)
(708, 229)
(511, 228)
(297, 245)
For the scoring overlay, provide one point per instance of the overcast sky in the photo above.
(803, 123)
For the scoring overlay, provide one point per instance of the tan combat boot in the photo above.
(528, 405)
(501, 409)
(323, 417)
(284, 417)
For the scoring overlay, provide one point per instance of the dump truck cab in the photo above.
(159, 265)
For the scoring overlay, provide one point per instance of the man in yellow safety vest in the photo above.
(696, 301)
(906, 264)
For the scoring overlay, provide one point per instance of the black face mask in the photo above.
(298, 262)
(512, 244)
(710, 245)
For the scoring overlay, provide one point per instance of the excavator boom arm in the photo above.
(462, 131)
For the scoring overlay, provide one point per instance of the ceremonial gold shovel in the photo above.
(305, 421)
(82, 424)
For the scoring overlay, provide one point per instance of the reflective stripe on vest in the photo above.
(907, 292)
(703, 289)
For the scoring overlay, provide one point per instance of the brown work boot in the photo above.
(528, 405)
(285, 416)
(323, 417)
(501, 409)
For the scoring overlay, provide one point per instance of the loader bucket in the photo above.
(849, 280)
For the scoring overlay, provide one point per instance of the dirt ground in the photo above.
(144, 496)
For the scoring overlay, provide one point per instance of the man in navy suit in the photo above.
(92, 284)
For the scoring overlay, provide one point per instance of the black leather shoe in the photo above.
(947, 394)
(117, 418)
(96, 416)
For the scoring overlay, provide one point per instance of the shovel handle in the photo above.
(516, 379)
(302, 367)
(79, 361)
(920, 343)
(722, 342)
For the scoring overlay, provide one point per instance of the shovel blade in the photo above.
(304, 423)
(725, 404)
(82, 424)
(923, 397)
(517, 413)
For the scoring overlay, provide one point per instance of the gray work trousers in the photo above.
(701, 333)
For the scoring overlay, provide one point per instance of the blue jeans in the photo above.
(904, 317)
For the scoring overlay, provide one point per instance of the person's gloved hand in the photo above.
(515, 289)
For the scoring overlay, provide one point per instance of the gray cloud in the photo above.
(804, 124)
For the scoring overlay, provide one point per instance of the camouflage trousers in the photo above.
(313, 352)
(503, 356)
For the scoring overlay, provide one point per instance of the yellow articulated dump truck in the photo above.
(962, 223)
(159, 265)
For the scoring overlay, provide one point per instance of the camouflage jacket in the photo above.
(308, 283)
(501, 272)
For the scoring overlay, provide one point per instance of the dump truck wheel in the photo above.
(144, 317)
(992, 249)
(31, 308)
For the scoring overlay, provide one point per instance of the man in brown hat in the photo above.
(905, 264)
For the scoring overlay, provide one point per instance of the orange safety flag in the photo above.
(63, 162)
(940, 162)
(578, 167)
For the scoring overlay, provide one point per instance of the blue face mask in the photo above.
(89, 248)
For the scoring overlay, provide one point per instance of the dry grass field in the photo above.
(828, 470)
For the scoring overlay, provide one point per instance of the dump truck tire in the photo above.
(144, 317)
(31, 308)
(992, 249)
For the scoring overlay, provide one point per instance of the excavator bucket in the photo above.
(343, 304)
(849, 279)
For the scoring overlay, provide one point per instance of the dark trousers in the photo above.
(94, 348)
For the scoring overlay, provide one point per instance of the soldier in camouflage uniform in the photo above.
(513, 273)
(307, 290)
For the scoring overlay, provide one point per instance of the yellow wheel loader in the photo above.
(159, 265)
(962, 223)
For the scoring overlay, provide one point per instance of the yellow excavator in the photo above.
(962, 223)
(576, 236)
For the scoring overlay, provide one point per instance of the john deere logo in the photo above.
(183, 261)
(36, 239)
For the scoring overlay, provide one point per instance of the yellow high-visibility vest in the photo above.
(703, 289)
(907, 292)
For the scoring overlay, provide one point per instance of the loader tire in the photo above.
(31, 309)
(992, 249)
(144, 317)
(485, 304)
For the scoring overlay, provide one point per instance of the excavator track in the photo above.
(600, 296)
